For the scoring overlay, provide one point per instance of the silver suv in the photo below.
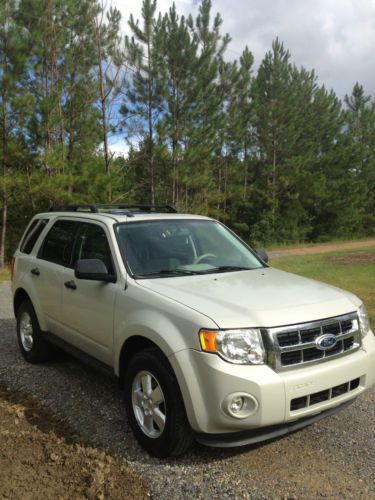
(209, 342)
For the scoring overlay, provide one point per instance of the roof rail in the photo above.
(73, 208)
(142, 208)
(112, 208)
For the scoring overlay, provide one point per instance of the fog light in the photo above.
(237, 404)
(240, 405)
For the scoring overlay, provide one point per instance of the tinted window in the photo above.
(32, 235)
(182, 247)
(58, 244)
(92, 243)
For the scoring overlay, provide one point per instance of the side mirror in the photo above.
(262, 254)
(94, 270)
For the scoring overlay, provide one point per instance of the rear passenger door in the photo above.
(88, 306)
(48, 272)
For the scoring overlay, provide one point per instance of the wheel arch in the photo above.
(20, 296)
(132, 346)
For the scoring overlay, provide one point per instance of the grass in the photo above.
(356, 277)
(4, 275)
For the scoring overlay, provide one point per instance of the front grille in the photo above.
(293, 346)
(326, 395)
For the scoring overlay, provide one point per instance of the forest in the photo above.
(271, 152)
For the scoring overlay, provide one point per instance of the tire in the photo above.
(34, 348)
(154, 405)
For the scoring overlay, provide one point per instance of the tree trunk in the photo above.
(246, 172)
(225, 185)
(103, 105)
(150, 127)
(29, 184)
(4, 172)
(274, 198)
(3, 228)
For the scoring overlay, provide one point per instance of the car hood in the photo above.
(263, 297)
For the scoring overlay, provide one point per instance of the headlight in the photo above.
(363, 320)
(242, 347)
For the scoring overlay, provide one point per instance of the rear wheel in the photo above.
(33, 346)
(154, 405)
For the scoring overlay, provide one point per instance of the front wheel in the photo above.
(154, 405)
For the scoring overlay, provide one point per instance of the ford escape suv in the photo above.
(209, 342)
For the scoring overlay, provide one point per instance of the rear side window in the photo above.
(58, 244)
(32, 235)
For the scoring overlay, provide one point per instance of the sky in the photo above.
(336, 38)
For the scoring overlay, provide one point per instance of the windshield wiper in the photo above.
(225, 269)
(187, 272)
(168, 272)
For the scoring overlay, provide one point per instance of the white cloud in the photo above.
(119, 147)
(334, 37)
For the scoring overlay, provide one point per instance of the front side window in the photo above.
(58, 244)
(92, 243)
(32, 234)
(165, 248)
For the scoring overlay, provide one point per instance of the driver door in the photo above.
(88, 306)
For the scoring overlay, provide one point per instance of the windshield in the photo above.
(165, 248)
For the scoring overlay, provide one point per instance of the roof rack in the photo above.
(73, 208)
(114, 208)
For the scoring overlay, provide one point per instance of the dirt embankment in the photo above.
(39, 458)
(324, 248)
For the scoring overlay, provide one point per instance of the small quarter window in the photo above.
(32, 235)
(58, 244)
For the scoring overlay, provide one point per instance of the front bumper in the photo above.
(232, 439)
(206, 380)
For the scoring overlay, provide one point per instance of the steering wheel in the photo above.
(199, 259)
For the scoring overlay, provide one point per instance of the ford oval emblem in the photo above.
(325, 342)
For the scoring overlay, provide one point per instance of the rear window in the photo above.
(32, 235)
(58, 244)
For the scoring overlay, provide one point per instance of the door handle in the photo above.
(70, 284)
(35, 271)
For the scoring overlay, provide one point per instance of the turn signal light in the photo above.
(208, 340)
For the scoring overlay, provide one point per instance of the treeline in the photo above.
(271, 153)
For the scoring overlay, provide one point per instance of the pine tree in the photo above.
(110, 63)
(178, 69)
(143, 103)
(238, 142)
(359, 139)
(206, 121)
(80, 94)
(273, 121)
(297, 127)
(64, 126)
(47, 34)
(13, 107)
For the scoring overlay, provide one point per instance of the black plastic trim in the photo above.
(96, 208)
(234, 439)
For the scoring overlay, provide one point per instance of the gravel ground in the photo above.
(333, 459)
